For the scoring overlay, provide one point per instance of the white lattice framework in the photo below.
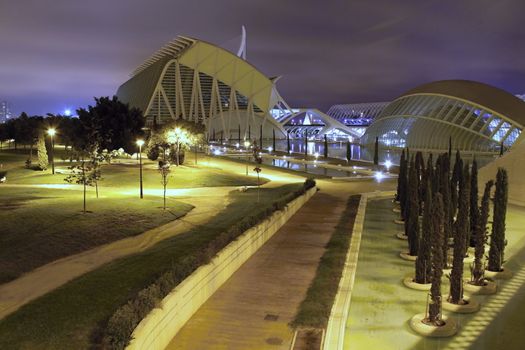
(426, 121)
(359, 114)
(198, 81)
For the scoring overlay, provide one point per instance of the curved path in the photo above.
(208, 201)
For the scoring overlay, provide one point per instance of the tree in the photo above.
(456, 173)
(305, 144)
(400, 184)
(423, 262)
(420, 170)
(474, 210)
(497, 238)
(273, 140)
(412, 218)
(43, 161)
(112, 124)
(82, 174)
(287, 142)
(258, 161)
(403, 176)
(348, 152)
(444, 189)
(437, 236)
(164, 171)
(325, 146)
(480, 237)
(450, 147)
(376, 151)
(462, 226)
(239, 133)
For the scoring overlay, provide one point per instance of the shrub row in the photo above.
(126, 318)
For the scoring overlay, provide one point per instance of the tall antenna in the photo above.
(242, 48)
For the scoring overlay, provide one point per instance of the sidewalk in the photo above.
(252, 309)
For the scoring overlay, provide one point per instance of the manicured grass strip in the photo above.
(42, 225)
(315, 309)
(74, 315)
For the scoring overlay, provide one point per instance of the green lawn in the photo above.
(41, 225)
(72, 316)
(315, 309)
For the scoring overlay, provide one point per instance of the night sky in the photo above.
(58, 54)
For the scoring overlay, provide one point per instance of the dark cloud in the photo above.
(61, 53)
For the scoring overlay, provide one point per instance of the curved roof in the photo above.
(203, 57)
(482, 94)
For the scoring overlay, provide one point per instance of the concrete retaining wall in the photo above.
(162, 324)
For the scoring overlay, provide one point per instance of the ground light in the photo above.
(246, 145)
(388, 164)
(140, 143)
(51, 132)
(379, 176)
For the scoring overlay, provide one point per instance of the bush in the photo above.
(153, 153)
(309, 183)
(120, 326)
(127, 317)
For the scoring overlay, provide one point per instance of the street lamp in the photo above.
(246, 145)
(140, 143)
(51, 132)
(388, 164)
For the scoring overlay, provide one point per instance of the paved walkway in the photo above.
(253, 308)
(208, 201)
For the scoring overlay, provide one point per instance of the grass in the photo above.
(124, 173)
(315, 309)
(72, 316)
(42, 225)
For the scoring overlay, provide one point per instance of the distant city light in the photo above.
(270, 149)
(67, 112)
(217, 152)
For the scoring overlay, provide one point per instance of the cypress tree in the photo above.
(420, 170)
(428, 175)
(474, 210)
(423, 263)
(456, 174)
(437, 236)
(497, 238)
(239, 133)
(43, 160)
(376, 151)
(481, 237)
(436, 180)
(288, 142)
(305, 143)
(249, 132)
(450, 147)
(400, 188)
(261, 137)
(462, 226)
(412, 218)
(325, 146)
(447, 213)
(403, 175)
(348, 152)
(273, 140)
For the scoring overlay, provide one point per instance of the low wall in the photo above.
(162, 324)
(335, 330)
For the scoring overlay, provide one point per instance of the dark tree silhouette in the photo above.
(288, 142)
(423, 263)
(462, 226)
(400, 188)
(325, 146)
(412, 218)
(456, 174)
(437, 231)
(474, 210)
(447, 214)
(480, 233)
(348, 152)
(376, 151)
(497, 238)
(273, 140)
(420, 170)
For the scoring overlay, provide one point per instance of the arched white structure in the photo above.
(198, 81)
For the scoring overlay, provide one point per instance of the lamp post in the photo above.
(51, 132)
(246, 145)
(140, 143)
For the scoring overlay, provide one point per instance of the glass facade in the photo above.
(427, 121)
